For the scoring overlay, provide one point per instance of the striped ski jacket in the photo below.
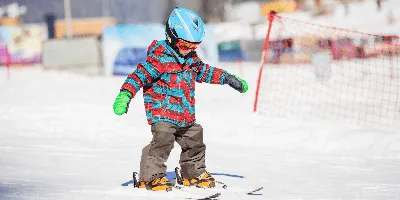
(168, 82)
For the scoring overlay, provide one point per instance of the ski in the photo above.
(220, 187)
(238, 190)
(253, 192)
(208, 197)
(195, 191)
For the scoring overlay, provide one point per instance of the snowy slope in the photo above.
(59, 139)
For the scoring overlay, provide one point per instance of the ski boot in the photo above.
(205, 180)
(158, 184)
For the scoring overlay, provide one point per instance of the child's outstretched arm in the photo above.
(144, 74)
(214, 75)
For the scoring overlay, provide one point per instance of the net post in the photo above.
(271, 17)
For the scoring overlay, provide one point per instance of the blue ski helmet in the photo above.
(186, 25)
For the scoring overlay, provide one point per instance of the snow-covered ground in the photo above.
(59, 139)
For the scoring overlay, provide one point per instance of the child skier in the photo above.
(168, 79)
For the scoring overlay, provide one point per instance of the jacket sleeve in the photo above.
(145, 73)
(209, 74)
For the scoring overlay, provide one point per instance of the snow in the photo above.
(60, 140)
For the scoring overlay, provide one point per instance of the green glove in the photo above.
(121, 103)
(236, 83)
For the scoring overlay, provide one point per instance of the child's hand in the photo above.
(121, 103)
(236, 83)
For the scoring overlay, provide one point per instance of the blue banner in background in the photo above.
(230, 51)
(125, 46)
(127, 59)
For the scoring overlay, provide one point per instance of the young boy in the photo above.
(168, 79)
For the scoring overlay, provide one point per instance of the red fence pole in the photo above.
(271, 18)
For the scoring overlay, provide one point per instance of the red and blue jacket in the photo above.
(168, 82)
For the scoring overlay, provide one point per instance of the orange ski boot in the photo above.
(158, 184)
(205, 180)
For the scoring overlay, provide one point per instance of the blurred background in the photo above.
(110, 37)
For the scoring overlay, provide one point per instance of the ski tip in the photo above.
(211, 197)
(254, 191)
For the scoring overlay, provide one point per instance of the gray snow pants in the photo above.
(154, 155)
